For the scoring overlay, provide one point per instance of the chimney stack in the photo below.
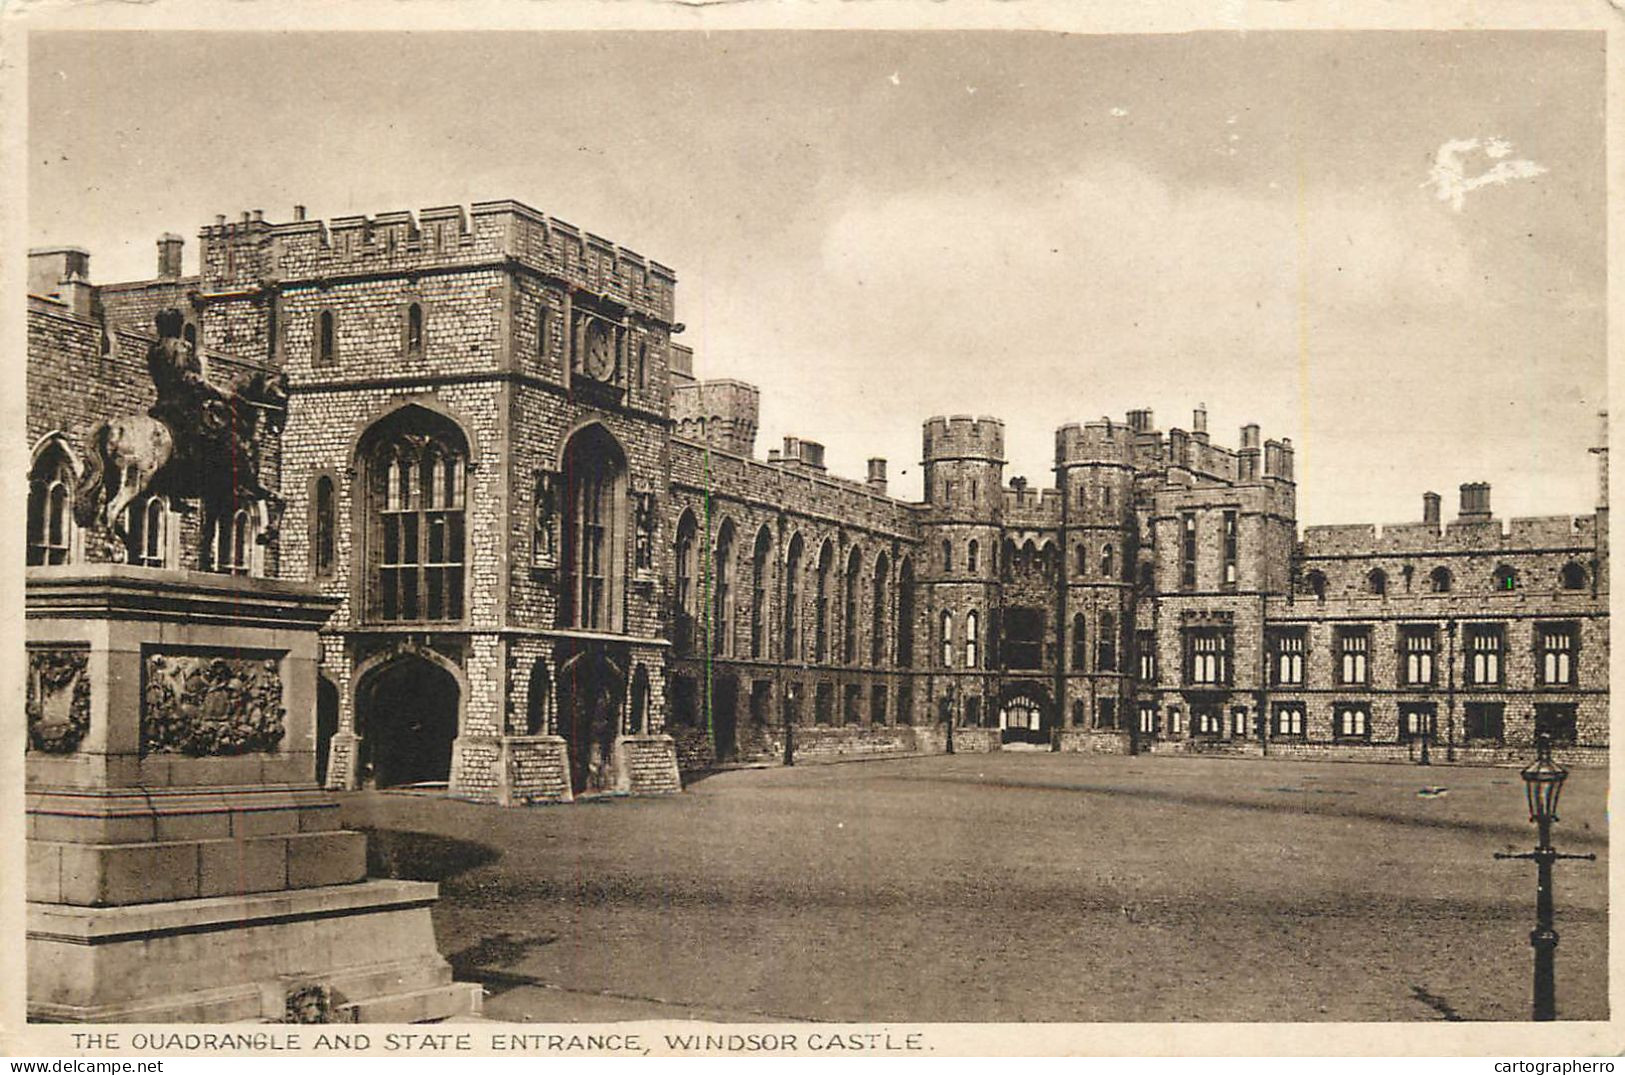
(1430, 509)
(170, 246)
(1140, 421)
(298, 213)
(1199, 419)
(1475, 500)
(1247, 458)
(877, 476)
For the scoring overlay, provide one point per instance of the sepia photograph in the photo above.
(851, 528)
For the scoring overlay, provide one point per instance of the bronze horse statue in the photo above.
(198, 442)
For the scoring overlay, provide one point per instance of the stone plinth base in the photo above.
(182, 864)
(368, 948)
(535, 769)
(646, 765)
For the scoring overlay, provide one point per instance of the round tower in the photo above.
(958, 571)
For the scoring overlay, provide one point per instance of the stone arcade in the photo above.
(561, 569)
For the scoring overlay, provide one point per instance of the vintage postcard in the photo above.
(880, 530)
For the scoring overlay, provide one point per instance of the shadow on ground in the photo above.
(422, 856)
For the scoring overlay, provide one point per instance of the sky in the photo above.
(1386, 246)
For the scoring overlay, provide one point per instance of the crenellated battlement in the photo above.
(1104, 441)
(251, 251)
(1461, 536)
(964, 437)
(1028, 507)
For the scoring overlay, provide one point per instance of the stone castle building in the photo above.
(560, 558)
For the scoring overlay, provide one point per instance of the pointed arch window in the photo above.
(905, 614)
(147, 523)
(1377, 582)
(684, 557)
(415, 462)
(236, 545)
(947, 639)
(595, 511)
(722, 617)
(972, 556)
(826, 565)
(877, 611)
(849, 612)
(50, 518)
(971, 636)
(760, 558)
(1439, 580)
(1082, 556)
(792, 599)
(1107, 560)
(947, 556)
(1079, 646)
(1506, 577)
(414, 329)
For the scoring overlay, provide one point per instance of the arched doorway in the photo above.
(1025, 716)
(591, 690)
(327, 724)
(408, 710)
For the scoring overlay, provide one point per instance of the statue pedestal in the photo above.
(182, 864)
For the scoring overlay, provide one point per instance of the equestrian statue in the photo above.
(200, 441)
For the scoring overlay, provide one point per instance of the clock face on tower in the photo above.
(599, 362)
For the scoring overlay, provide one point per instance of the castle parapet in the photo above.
(1462, 535)
(722, 413)
(246, 253)
(1104, 441)
(964, 437)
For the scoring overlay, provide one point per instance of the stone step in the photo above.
(432, 1005)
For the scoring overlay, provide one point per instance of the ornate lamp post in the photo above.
(1543, 783)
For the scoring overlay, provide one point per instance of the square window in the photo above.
(1485, 721)
(1289, 720)
(1351, 720)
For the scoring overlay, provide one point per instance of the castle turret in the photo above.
(964, 475)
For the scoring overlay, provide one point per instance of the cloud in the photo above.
(1450, 181)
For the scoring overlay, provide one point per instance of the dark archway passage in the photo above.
(591, 690)
(327, 723)
(408, 711)
(725, 716)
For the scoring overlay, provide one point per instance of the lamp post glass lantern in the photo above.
(1543, 785)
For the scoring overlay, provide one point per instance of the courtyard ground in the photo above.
(1053, 887)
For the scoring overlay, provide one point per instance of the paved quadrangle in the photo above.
(1013, 887)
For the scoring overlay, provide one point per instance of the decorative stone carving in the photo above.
(309, 1004)
(207, 704)
(645, 530)
(544, 541)
(58, 703)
